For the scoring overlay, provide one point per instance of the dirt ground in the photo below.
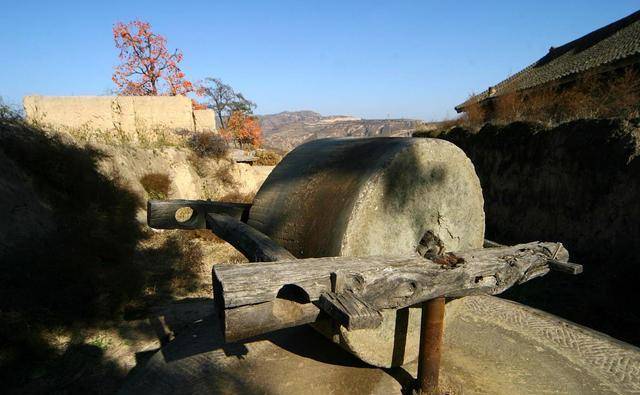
(86, 287)
(98, 359)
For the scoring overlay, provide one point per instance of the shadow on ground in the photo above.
(70, 260)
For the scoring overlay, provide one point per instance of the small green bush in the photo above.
(157, 185)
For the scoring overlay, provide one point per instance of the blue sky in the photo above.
(373, 59)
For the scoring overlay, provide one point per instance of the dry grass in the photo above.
(224, 174)
(475, 115)
(199, 164)
(430, 130)
(82, 273)
(237, 197)
(449, 123)
(96, 270)
(591, 96)
(184, 271)
(157, 185)
(267, 158)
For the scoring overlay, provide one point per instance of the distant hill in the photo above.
(288, 129)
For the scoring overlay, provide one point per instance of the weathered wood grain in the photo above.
(248, 321)
(247, 294)
(349, 310)
(253, 244)
(389, 282)
(554, 264)
(161, 214)
(565, 267)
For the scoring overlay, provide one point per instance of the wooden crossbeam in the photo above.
(252, 243)
(554, 264)
(380, 282)
(161, 214)
(349, 310)
(250, 298)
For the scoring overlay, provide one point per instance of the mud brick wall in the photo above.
(129, 119)
(578, 183)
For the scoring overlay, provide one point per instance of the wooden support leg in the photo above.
(430, 346)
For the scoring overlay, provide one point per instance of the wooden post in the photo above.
(430, 345)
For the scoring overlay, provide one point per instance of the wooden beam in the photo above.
(554, 264)
(161, 214)
(349, 310)
(252, 243)
(249, 321)
(565, 267)
(381, 282)
(387, 281)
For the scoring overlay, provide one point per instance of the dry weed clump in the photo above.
(267, 158)
(157, 185)
(199, 164)
(237, 197)
(209, 145)
(224, 174)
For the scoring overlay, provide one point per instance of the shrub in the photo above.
(209, 145)
(267, 158)
(244, 129)
(157, 185)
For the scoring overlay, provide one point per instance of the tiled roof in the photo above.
(607, 45)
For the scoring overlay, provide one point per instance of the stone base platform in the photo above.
(492, 346)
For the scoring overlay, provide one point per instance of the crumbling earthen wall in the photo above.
(205, 120)
(578, 183)
(127, 119)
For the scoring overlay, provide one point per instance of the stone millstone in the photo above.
(372, 196)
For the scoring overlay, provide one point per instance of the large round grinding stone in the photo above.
(372, 196)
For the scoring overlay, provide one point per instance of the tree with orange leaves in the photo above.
(147, 67)
(244, 129)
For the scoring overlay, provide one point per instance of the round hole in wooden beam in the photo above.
(184, 214)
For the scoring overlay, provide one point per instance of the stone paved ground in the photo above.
(492, 346)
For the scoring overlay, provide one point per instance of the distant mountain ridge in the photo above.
(287, 129)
